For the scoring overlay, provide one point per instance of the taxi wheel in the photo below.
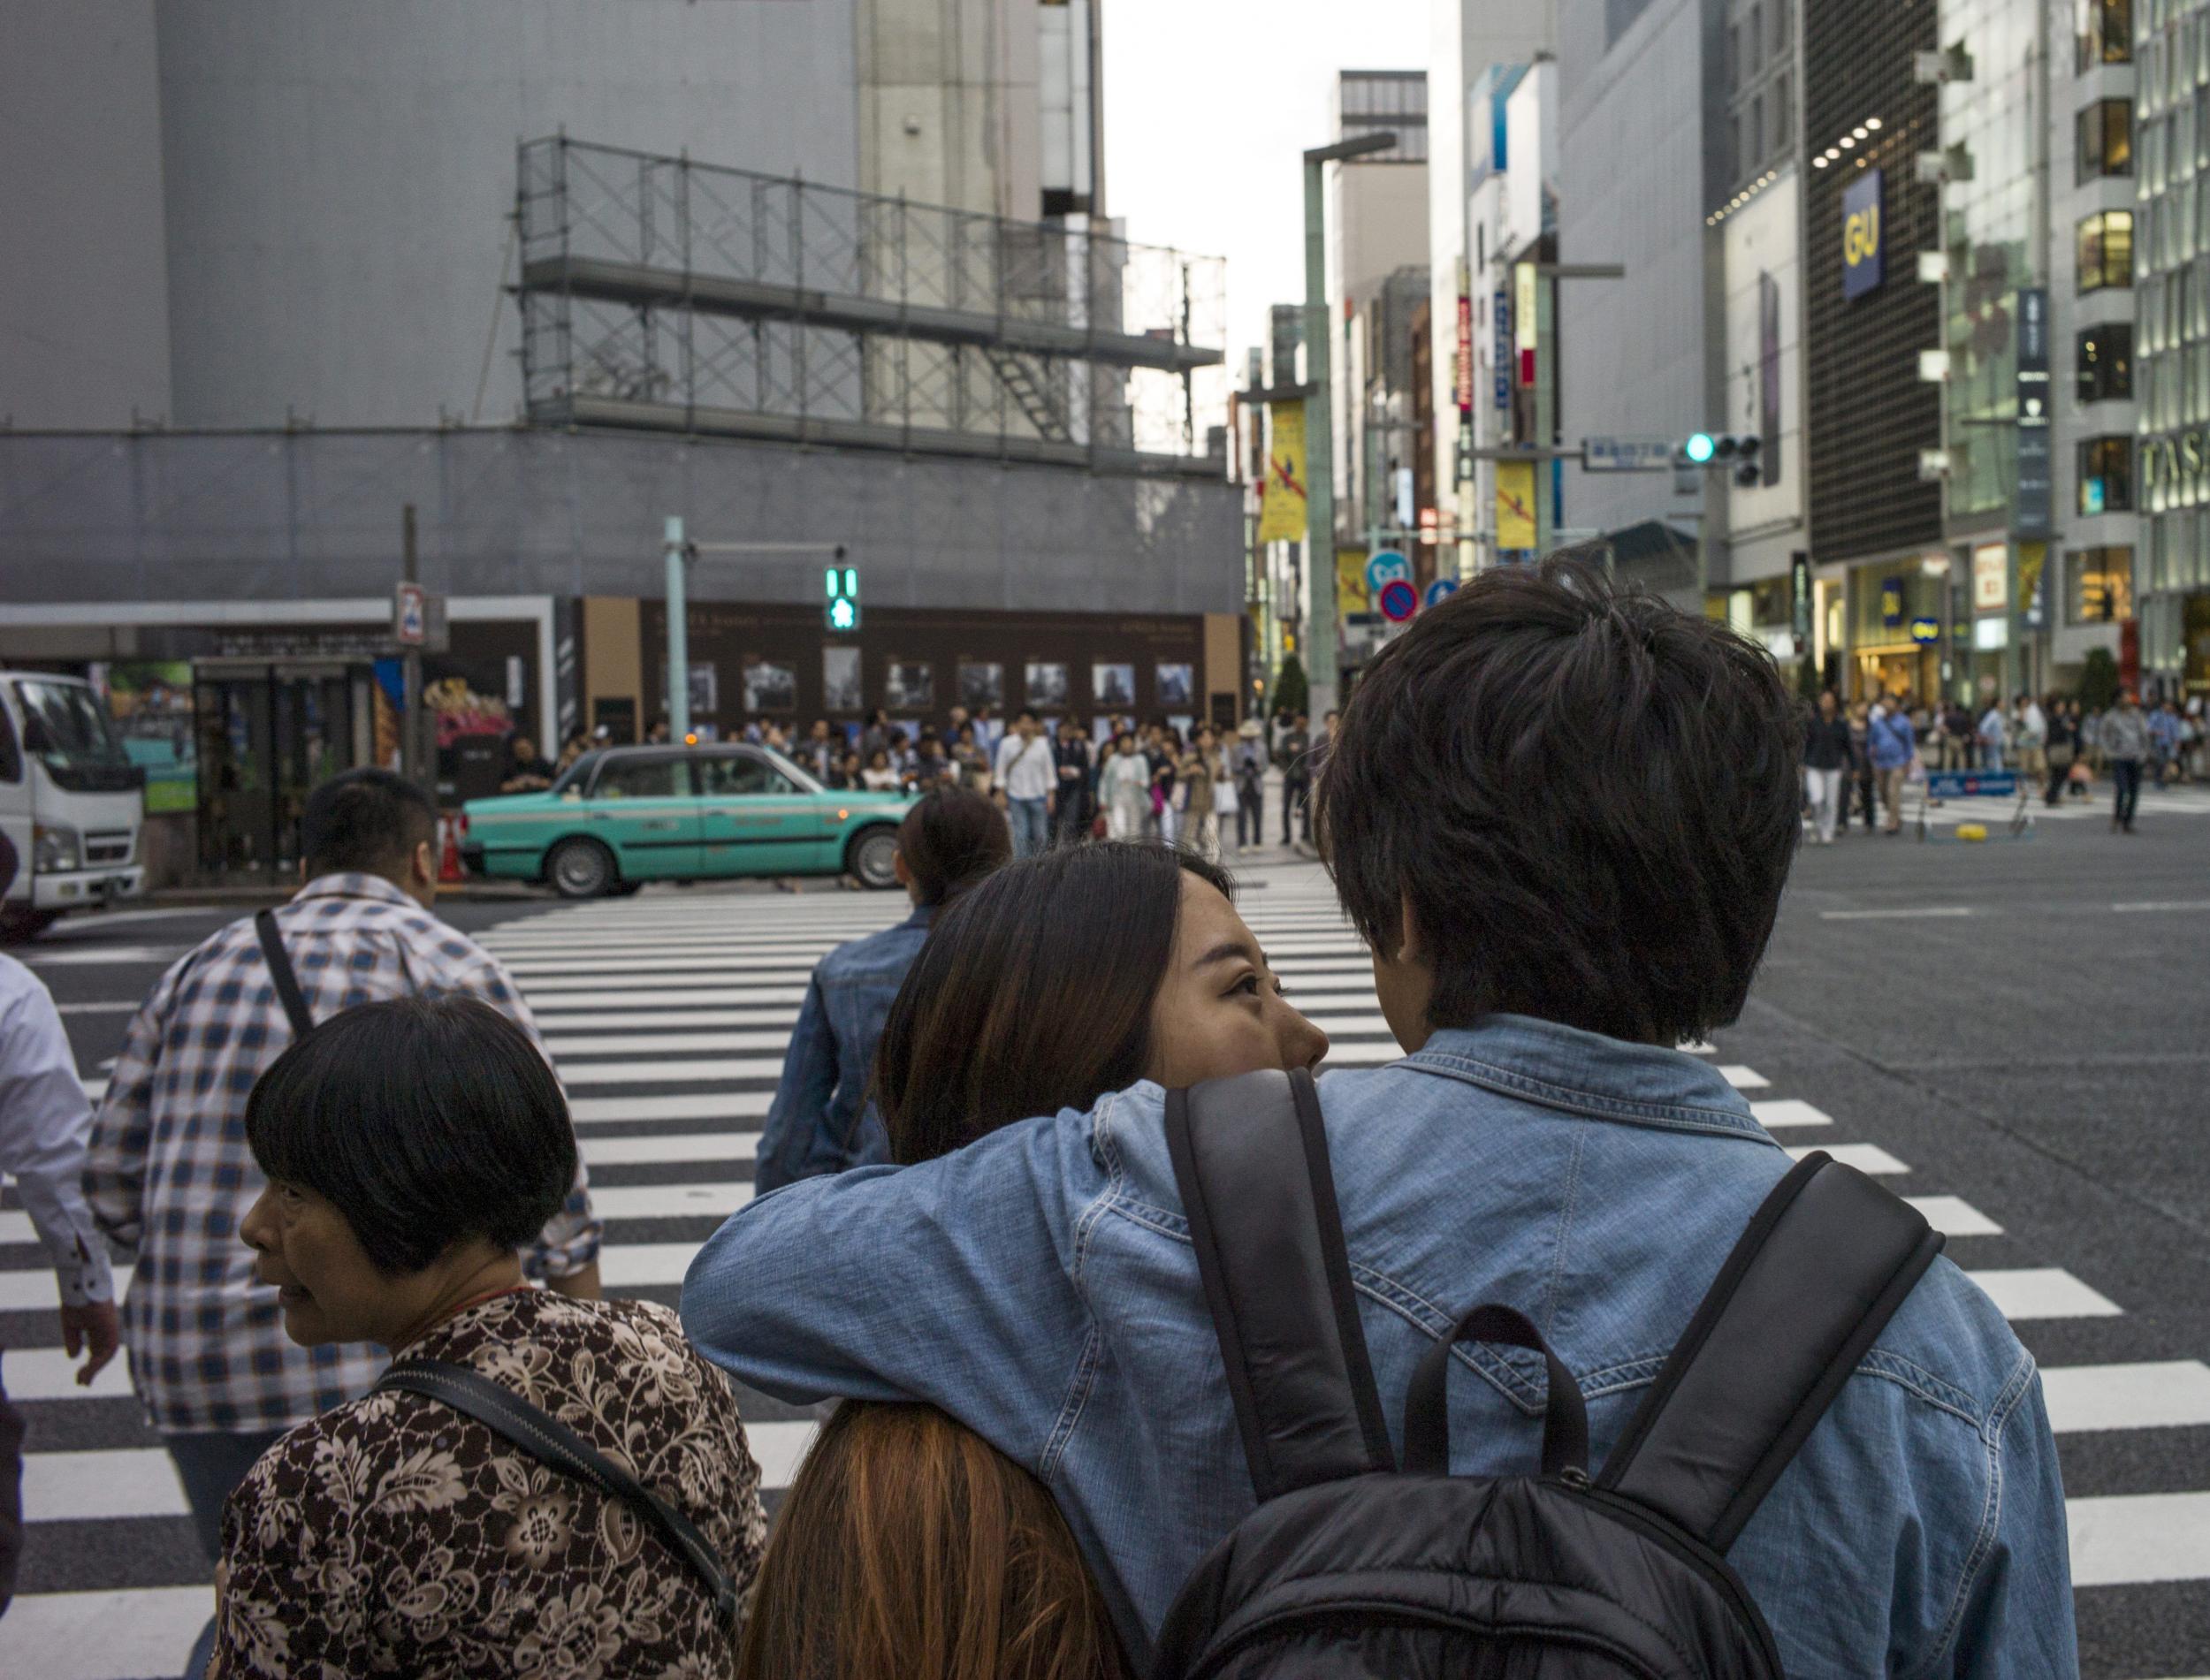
(872, 859)
(581, 869)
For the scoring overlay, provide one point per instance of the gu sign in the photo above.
(1861, 268)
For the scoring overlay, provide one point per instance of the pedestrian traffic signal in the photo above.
(843, 598)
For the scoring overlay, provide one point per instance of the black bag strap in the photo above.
(547, 1438)
(280, 971)
(1816, 1276)
(1251, 1161)
(1426, 1403)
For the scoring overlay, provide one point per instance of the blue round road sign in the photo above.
(1398, 600)
(1384, 565)
(1441, 589)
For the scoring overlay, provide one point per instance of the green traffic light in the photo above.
(1701, 447)
(842, 615)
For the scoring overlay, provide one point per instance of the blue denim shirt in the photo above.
(821, 1121)
(1894, 743)
(1041, 1286)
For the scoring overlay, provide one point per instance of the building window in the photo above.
(1755, 35)
(2106, 250)
(2105, 138)
(1780, 11)
(2106, 363)
(1756, 134)
(2097, 585)
(1783, 113)
(2106, 474)
(1734, 57)
(2106, 33)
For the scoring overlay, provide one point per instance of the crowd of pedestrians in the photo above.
(1863, 758)
(1203, 789)
(1560, 816)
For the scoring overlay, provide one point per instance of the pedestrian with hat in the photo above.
(1247, 760)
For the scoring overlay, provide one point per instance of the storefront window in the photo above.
(2105, 361)
(2106, 250)
(2106, 474)
(2105, 138)
(2097, 585)
(2106, 33)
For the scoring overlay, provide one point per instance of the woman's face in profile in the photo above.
(1219, 1010)
(327, 1285)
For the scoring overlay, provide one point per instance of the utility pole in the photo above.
(678, 636)
(1322, 609)
(415, 761)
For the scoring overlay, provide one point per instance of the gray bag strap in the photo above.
(545, 1438)
(1822, 1266)
(1251, 1161)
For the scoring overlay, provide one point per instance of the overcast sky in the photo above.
(1209, 106)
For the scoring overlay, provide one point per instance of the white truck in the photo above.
(70, 806)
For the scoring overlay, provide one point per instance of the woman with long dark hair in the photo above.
(909, 1548)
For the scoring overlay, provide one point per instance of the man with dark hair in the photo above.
(170, 1174)
(1562, 817)
(821, 1119)
(1292, 752)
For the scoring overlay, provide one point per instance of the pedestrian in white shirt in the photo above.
(45, 1124)
(1027, 778)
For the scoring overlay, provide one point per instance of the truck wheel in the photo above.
(872, 858)
(581, 869)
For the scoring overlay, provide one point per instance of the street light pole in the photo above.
(1323, 608)
(678, 635)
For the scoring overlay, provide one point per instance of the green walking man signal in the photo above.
(843, 596)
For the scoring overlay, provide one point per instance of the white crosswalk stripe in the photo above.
(668, 1016)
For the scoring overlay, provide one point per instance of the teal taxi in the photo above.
(624, 816)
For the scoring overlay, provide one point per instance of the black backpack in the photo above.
(1352, 1566)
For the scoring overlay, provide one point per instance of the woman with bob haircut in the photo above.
(412, 1146)
(910, 1548)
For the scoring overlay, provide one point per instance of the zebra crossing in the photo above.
(667, 1016)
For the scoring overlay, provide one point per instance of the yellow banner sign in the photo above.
(1515, 505)
(1282, 498)
(1349, 581)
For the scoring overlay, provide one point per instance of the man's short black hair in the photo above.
(1587, 798)
(425, 1120)
(365, 820)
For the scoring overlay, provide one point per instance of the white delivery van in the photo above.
(71, 804)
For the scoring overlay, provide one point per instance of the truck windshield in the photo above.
(68, 729)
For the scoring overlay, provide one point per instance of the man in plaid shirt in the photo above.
(170, 1174)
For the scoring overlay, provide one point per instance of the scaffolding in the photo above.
(664, 294)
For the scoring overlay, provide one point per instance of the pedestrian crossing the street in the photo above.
(667, 1016)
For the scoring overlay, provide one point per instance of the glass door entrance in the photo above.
(269, 734)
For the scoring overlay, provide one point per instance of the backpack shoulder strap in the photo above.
(280, 971)
(1816, 1276)
(1251, 1161)
(545, 1438)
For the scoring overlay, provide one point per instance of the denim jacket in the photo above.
(821, 1121)
(1039, 1285)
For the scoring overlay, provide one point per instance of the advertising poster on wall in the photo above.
(1178, 683)
(1113, 686)
(152, 704)
(981, 684)
(910, 686)
(770, 686)
(840, 687)
(1045, 684)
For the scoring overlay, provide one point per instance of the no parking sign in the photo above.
(1398, 600)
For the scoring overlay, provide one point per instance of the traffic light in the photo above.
(1704, 449)
(843, 598)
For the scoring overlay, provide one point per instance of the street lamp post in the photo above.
(1323, 607)
(678, 633)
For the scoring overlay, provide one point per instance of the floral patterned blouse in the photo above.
(395, 1536)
